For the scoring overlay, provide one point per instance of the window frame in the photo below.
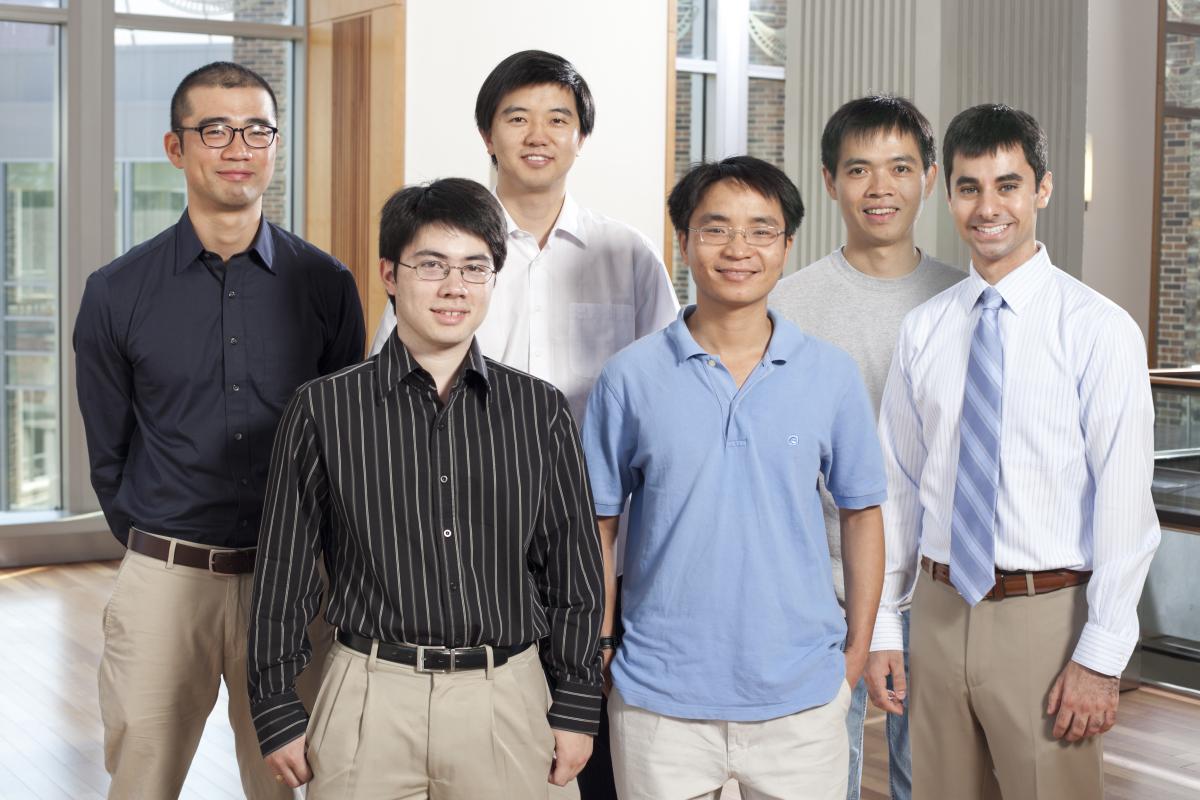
(730, 112)
(86, 176)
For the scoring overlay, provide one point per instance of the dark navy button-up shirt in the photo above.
(184, 369)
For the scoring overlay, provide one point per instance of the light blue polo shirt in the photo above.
(728, 600)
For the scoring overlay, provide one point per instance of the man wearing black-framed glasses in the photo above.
(448, 493)
(187, 349)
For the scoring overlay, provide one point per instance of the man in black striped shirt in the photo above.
(448, 495)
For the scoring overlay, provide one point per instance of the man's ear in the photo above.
(1045, 189)
(830, 187)
(173, 146)
(931, 176)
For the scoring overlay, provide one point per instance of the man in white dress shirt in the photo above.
(1017, 429)
(577, 286)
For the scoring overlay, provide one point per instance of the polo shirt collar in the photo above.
(786, 339)
(395, 363)
(188, 247)
(1018, 288)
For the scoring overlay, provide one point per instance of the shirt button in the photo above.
(233, 340)
(712, 363)
(245, 522)
(454, 586)
(232, 293)
(245, 481)
(236, 388)
(441, 426)
(447, 533)
(443, 479)
(237, 437)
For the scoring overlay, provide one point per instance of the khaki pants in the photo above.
(980, 681)
(803, 756)
(170, 635)
(383, 731)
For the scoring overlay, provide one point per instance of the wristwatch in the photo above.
(610, 642)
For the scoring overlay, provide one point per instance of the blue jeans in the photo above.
(899, 763)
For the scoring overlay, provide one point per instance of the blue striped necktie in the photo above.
(973, 528)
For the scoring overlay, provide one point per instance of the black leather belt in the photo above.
(433, 659)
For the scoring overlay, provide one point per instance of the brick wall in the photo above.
(272, 59)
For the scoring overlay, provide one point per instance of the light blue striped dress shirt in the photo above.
(1076, 450)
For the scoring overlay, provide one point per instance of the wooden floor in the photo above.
(51, 740)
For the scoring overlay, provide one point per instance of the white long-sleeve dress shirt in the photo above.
(561, 311)
(1076, 447)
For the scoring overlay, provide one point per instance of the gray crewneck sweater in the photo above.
(861, 314)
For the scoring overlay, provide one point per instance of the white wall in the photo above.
(1117, 227)
(620, 48)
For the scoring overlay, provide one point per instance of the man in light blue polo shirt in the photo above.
(732, 663)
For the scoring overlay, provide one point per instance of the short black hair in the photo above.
(875, 114)
(456, 203)
(533, 68)
(989, 128)
(223, 74)
(748, 171)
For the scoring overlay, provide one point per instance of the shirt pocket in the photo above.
(597, 331)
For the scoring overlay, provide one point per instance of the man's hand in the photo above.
(288, 764)
(606, 657)
(881, 665)
(856, 661)
(571, 751)
(1085, 702)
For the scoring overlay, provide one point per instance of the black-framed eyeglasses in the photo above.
(433, 270)
(759, 235)
(218, 135)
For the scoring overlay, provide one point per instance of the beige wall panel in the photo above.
(327, 10)
(386, 166)
(317, 203)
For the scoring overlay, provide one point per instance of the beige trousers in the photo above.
(170, 635)
(803, 755)
(980, 678)
(383, 731)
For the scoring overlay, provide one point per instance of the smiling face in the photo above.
(736, 274)
(535, 138)
(880, 187)
(994, 200)
(231, 178)
(435, 316)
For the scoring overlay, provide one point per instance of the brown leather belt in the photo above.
(1016, 584)
(219, 562)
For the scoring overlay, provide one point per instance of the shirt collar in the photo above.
(786, 339)
(394, 363)
(1018, 288)
(569, 221)
(188, 247)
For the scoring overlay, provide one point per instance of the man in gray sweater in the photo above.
(878, 158)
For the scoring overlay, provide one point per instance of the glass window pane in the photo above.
(31, 421)
(29, 265)
(692, 28)
(1182, 70)
(768, 31)
(693, 143)
(36, 3)
(149, 65)
(764, 123)
(1178, 333)
(279, 11)
(1183, 10)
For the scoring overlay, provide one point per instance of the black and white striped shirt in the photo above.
(457, 525)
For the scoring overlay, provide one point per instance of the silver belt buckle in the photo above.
(420, 667)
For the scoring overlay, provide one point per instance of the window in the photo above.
(1176, 320)
(29, 266)
(49, 62)
(729, 70)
